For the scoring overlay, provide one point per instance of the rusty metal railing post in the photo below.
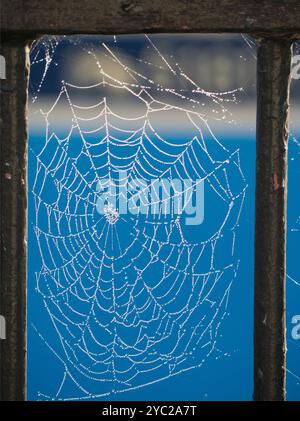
(273, 77)
(13, 141)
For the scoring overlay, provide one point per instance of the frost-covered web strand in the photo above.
(42, 54)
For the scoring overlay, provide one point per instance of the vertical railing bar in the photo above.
(273, 85)
(13, 212)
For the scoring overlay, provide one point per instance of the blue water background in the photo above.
(227, 378)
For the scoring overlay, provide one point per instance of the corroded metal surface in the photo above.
(133, 16)
(273, 80)
(13, 138)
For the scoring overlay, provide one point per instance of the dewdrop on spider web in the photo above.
(111, 214)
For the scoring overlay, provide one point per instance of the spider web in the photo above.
(134, 298)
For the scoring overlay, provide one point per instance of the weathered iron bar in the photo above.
(273, 85)
(33, 17)
(13, 212)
